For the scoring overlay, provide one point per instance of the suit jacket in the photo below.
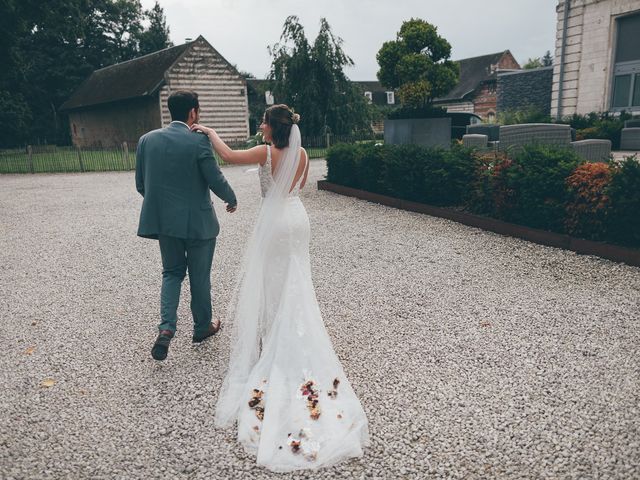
(175, 169)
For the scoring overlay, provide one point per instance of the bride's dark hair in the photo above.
(280, 118)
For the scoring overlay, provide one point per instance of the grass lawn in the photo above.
(66, 159)
(69, 159)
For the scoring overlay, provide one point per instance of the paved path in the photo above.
(474, 355)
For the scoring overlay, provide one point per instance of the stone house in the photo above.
(476, 91)
(597, 57)
(121, 102)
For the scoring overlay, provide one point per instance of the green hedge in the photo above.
(530, 188)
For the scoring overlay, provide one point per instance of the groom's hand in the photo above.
(231, 208)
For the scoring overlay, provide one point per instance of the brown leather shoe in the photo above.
(161, 347)
(211, 330)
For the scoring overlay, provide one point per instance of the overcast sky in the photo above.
(241, 30)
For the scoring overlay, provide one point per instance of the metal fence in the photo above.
(52, 159)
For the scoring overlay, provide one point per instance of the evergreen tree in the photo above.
(156, 36)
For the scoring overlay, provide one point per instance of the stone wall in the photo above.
(525, 89)
(588, 62)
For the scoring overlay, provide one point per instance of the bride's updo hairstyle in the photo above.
(280, 118)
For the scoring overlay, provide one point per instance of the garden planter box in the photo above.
(428, 132)
(586, 247)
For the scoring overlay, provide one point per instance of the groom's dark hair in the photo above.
(180, 104)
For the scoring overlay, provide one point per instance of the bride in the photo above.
(285, 387)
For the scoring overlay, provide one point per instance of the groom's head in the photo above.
(184, 106)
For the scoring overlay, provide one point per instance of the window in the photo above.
(391, 99)
(626, 71)
(369, 96)
(268, 98)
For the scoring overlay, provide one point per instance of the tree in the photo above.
(539, 62)
(532, 63)
(311, 79)
(47, 52)
(156, 37)
(417, 64)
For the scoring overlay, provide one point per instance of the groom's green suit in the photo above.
(175, 169)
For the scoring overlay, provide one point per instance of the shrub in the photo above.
(537, 178)
(342, 164)
(403, 171)
(448, 176)
(541, 186)
(623, 218)
(428, 111)
(598, 125)
(370, 167)
(588, 202)
(528, 115)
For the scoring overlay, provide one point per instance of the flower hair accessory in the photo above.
(295, 117)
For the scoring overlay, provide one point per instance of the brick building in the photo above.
(476, 91)
(121, 102)
(597, 57)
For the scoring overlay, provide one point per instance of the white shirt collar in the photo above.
(178, 121)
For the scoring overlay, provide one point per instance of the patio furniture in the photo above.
(475, 141)
(491, 130)
(514, 137)
(630, 138)
(593, 150)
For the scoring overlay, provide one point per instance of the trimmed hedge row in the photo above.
(540, 186)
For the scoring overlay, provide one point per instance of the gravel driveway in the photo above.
(474, 355)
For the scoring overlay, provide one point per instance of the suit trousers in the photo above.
(180, 255)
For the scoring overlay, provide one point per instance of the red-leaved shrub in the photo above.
(588, 202)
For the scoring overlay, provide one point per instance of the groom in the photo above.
(175, 169)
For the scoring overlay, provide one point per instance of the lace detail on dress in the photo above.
(266, 177)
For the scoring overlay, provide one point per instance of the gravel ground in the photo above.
(474, 355)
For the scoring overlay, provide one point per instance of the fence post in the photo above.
(125, 155)
(80, 158)
(30, 153)
(328, 141)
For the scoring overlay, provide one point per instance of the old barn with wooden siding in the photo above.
(121, 102)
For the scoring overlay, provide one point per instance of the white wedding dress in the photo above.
(285, 387)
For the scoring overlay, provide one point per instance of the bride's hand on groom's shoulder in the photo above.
(231, 208)
(196, 127)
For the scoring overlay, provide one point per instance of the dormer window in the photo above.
(268, 98)
(391, 98)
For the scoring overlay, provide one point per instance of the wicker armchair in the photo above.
(593, 150)
(491, 130)
(475, 141)
(514, 137)
(630, 138)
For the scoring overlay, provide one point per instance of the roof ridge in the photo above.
(482, 56)
(182, 45)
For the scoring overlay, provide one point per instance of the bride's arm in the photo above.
(256, 154)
